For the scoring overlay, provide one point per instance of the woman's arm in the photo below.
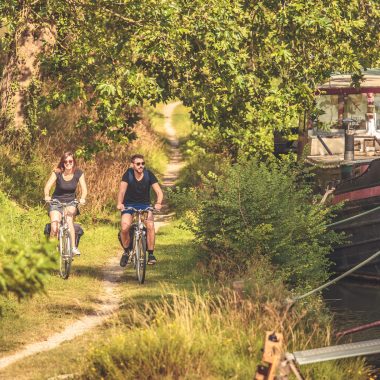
(50, 182)
(83, 189)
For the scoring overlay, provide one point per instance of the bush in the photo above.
(24, 260)
(22, 178)
(255, 209)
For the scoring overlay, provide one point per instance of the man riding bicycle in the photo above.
(134, 192)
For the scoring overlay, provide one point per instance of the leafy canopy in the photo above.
(246, 68)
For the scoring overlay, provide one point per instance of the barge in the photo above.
(344, 145)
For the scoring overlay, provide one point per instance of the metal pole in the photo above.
(348, 140)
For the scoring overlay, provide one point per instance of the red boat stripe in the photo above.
(357, 194)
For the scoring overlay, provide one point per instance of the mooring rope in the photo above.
(352, 217)
(358, 328)
(356, 267)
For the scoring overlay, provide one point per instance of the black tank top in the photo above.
(65, 191)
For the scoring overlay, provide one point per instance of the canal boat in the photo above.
(360, 220)
(355, 176)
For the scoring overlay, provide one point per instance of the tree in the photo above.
(247, 68)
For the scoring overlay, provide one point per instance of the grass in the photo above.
(157, 119)
(177, 259)
(181, 122)
(64, 301)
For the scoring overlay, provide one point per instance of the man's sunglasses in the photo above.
(68, 161)
(140, 163)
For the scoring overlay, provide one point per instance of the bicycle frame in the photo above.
(64, 239)
(138, 255)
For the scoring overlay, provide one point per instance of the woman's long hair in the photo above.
(61, 166)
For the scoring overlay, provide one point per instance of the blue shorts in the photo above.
(137, 206)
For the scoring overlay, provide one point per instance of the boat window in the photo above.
(327, 111)
(377, 110)
(356, 109)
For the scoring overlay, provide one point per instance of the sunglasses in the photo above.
(68, 161)
(140, 163)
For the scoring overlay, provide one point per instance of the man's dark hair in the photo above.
(136, 156)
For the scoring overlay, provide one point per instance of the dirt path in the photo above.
(112, 272)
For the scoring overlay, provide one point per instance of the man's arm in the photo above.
(120, 196)
(160, 196)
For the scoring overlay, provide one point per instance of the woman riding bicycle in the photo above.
(66, 177)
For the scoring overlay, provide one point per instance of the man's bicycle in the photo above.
(138, 252)
(65, 245)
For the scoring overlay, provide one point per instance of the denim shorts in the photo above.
(137, 206)
(55, 207)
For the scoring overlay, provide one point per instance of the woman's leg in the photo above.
(55, 218)
(71, 211)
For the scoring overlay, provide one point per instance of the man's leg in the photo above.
(150, 238)
(126, 221)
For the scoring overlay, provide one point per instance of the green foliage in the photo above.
(24, 268)
(256, 209)
(245, 68)
(204, 154)
(22, 177)
(24, 262)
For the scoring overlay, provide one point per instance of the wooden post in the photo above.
(272, 356)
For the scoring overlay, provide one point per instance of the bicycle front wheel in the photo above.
(66, 255)
(141, 259)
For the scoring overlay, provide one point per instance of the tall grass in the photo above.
(196, 336)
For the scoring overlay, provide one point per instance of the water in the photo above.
(356, 303)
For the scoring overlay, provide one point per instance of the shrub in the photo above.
(22, 178)
(24, 260)
(256, 209)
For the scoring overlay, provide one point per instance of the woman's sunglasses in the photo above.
(140, 163)
(68, 161)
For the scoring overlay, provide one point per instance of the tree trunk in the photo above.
(21, 71)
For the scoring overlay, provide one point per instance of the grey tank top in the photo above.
(65, 191)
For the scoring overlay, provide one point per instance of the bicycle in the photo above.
(138, 252)
(64, 240)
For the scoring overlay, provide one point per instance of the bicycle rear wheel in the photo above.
(141, 259)
(65, 255)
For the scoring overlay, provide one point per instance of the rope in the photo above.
(366, 261)
(352, 217)
(358, 328)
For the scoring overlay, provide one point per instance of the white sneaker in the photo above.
(75, 251)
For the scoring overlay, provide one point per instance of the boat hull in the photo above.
(363, 236)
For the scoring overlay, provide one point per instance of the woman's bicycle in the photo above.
(138, 252)
(65, 244)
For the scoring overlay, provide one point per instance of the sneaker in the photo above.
(75, 251)
(151, 259)
(124, 258)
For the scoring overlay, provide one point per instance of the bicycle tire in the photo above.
(141, 259)
(133, 252)
(65, 255)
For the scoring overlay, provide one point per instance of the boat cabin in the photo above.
(341, 105)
